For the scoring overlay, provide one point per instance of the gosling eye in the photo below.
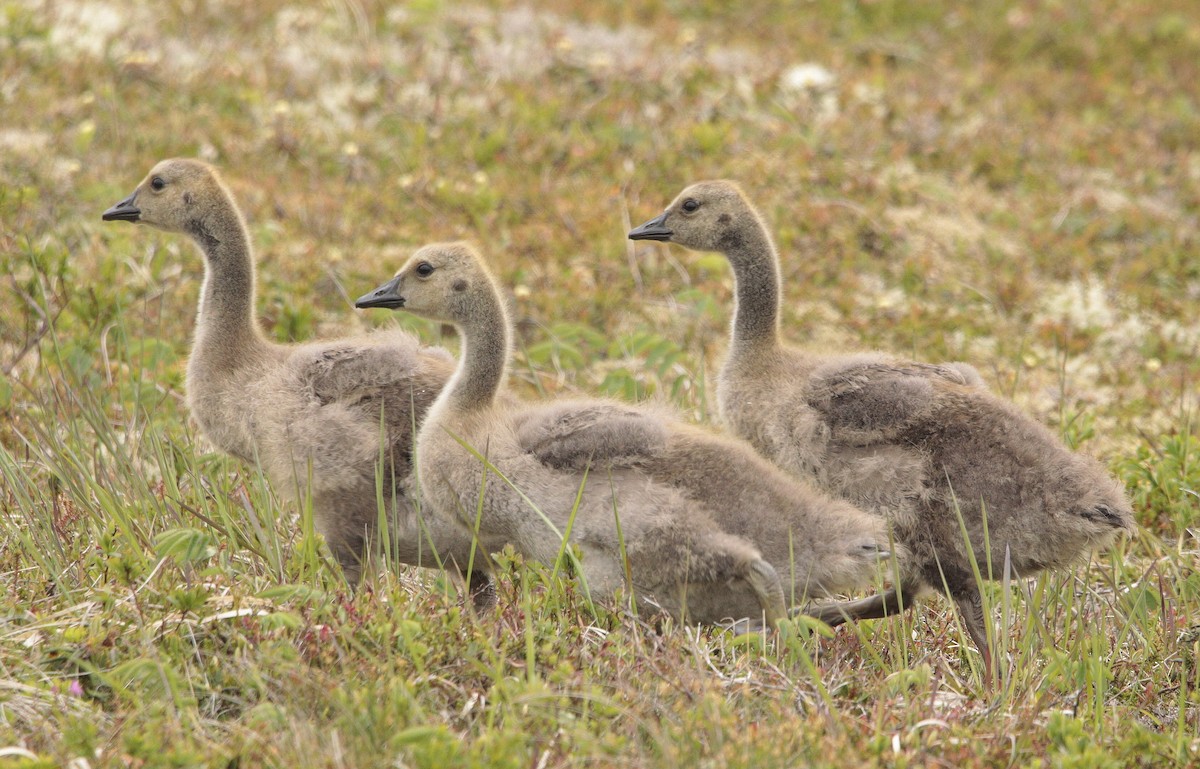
(424, 270)
(157, 184)
(690, 206)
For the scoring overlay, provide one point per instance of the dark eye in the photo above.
(690, 206)
(157, 183)
(424, 269)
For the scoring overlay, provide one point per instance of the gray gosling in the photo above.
(310, 414)
(917, 443)
(706, 523)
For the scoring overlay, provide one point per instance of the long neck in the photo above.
(483, 358)
(756, 275)
(226, 329)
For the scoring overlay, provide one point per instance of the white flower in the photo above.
(807, 77)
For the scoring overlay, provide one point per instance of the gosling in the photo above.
(920, 444)
(310, 414)
(705, 523)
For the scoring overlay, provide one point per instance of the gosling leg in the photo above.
(765, 582)
(886, 604)
(970, 607)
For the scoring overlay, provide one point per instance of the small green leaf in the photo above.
(185, 545)
(807, 625)
(284, 593)
(415, 734)
(285, 620)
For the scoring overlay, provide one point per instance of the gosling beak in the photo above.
(655, 229)
(125, 211)
(386, 296)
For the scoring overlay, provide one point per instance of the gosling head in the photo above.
(441, 281)
(707, 216)
(175, 196)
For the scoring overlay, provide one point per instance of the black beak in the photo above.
(386, 296)
(655, 229)
(125, 211)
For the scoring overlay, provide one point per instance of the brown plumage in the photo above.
(915, 442)
(310, 414)
(706, 522)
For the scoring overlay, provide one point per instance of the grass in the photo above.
(1013, 184)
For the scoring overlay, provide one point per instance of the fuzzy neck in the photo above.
(226, 329)
(483, 358)
(758, 283)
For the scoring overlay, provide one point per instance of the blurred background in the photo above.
(1014, 184)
